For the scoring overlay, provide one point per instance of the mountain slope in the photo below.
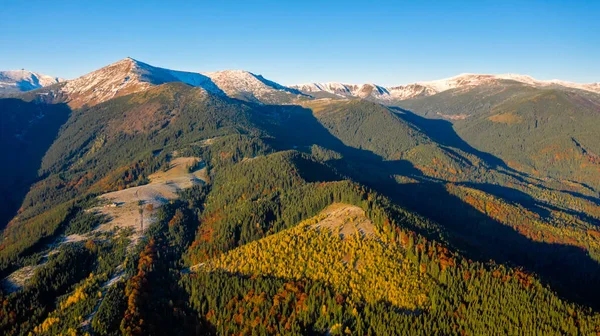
(15, 81)
(27, 129)
(121, 131)
(117, 144)
(551, 133)
(339, 246)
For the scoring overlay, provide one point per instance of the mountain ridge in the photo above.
(130, 75)
(428, 88)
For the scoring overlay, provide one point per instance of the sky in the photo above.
(290, 42)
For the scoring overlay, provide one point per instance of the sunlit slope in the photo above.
(339, 247)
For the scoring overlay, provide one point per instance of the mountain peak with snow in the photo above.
(14, 81)
(470, 80)
(129, 75)
(125, 77)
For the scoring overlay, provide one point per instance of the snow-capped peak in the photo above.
(461, 80)
(592, 87)
(23, 80)
(129, 76)
(125, 77)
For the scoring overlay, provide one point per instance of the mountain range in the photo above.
(422, 89)
(477, 105)
(129, 75)
(142, 200)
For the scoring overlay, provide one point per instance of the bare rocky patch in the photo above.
(346, 220)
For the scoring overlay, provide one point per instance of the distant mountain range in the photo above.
(129, 75)
(421, 89)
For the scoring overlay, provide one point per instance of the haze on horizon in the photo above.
(388, 44)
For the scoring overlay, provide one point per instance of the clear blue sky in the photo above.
(304, 41)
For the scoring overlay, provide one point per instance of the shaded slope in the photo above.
(423, 176)
(27, 129)
(247, 299)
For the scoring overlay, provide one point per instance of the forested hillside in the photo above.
(327, 216)
(543, 132)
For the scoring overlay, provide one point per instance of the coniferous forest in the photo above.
(173, 210)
